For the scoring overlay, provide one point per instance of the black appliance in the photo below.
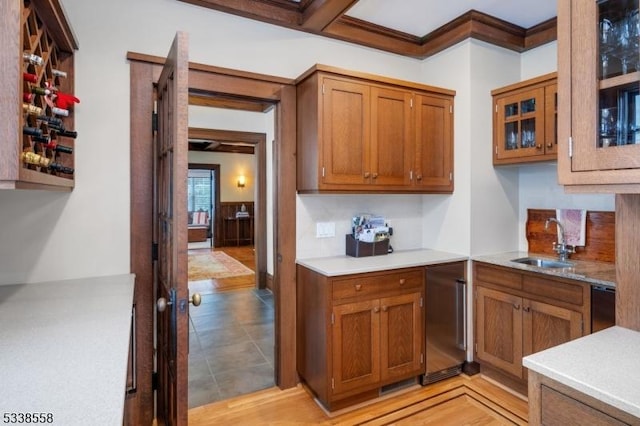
(603, 307)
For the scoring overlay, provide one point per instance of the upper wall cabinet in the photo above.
(364, 133)
(599, 110)
(36, 64)
(525, 121)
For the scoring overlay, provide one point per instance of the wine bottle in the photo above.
(61, 131)
(60, 111)
(32, 131)
(32, 59)
(40, 90)
(58, 73)
(42, 161)
(51, 144)
(27, 97)
(51, 121)
(31, 78)
(32, 109)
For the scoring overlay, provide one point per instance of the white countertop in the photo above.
(64, 347)
(603, 365)
(345, 265)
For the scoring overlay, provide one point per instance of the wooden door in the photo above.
(170, 217)
(345, 132)
(499, 329)
(434, 143)
(545, 326)
(519, 124)
(402, 336)
(391, 137)
(356, 346)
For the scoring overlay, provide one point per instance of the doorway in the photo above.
(201, 201)
(144, 72)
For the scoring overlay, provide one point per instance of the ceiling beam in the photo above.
(318, 14)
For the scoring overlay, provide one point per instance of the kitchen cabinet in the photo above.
(525, 121)
(599, 110)
(520, 313)
(358, 333)
(364, 133)
(38, 29)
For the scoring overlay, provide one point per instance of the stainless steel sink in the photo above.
(542, 263)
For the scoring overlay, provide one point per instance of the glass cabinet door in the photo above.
(519, 125)
(605, 96)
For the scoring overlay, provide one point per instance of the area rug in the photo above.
(214, 265)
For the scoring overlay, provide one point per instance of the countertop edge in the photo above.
(572, 364)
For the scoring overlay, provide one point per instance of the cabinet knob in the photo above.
(526, 309)
(539, 146)
(516, 306)
(358, 287)
(375, 175)
(376, 309)
(418, 177)
(402, 281)
(549, 145)
(384, 309)
(366, 175)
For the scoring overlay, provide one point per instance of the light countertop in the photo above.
(64, 347)
(595, 273)
(345, 265)
(602, 365)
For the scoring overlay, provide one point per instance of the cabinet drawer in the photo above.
(557, 290)
(559, 409)
(377, 285)
(498, 276)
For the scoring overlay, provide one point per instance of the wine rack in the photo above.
(38, 144)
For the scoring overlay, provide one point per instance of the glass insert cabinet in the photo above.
(525, 121)
(599, 91)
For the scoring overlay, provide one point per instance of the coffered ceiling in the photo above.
(414, 28)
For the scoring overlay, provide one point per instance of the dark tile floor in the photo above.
(231, 340)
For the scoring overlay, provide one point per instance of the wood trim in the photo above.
(53, 13)
(627, 265)
(139, 405)
(327, 18)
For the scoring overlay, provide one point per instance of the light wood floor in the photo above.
(460, 400)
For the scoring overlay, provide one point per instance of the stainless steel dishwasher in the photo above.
(445, 327)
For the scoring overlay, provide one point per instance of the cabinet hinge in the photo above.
(323, 172)
(154, 251)
(333, 318)
(476, 347)
(154, 121)
(581, 326)
(411, 103)
(570, 147)
(450, 176)
(421, 302)
(323, 88)
(450, 109)
(421, 358)
(496, 149)
(496, 108)
(333, 383)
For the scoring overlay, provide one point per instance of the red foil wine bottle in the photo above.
(51, 144)
(31, 78)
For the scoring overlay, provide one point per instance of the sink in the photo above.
(543, 263)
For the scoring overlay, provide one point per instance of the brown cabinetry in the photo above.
(38, 28)
(357, 333)
(363, 133)
(518, 314)
(598, 75)
(525, 121)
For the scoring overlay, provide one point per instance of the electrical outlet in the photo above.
(325, 229)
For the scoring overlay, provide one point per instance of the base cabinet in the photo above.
(358, 333)
(518, 314)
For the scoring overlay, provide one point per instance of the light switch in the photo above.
(325, 229)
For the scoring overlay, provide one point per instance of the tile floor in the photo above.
(231, 339)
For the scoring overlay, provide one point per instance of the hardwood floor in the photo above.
(460, 400)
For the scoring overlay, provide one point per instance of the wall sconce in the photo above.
(241, 181)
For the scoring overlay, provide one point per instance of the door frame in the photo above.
(144, 73)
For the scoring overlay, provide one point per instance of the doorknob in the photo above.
(162, 304)
(196, 299)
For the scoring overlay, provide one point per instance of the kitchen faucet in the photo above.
(563, 250)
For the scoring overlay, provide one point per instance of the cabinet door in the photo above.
(598, 73)
(499, 329)
(391, 143)
(545, 326)
(402, 336)
(345, 132)
(519, 125)
(356, 346)
(434, 143)
(550, 140)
